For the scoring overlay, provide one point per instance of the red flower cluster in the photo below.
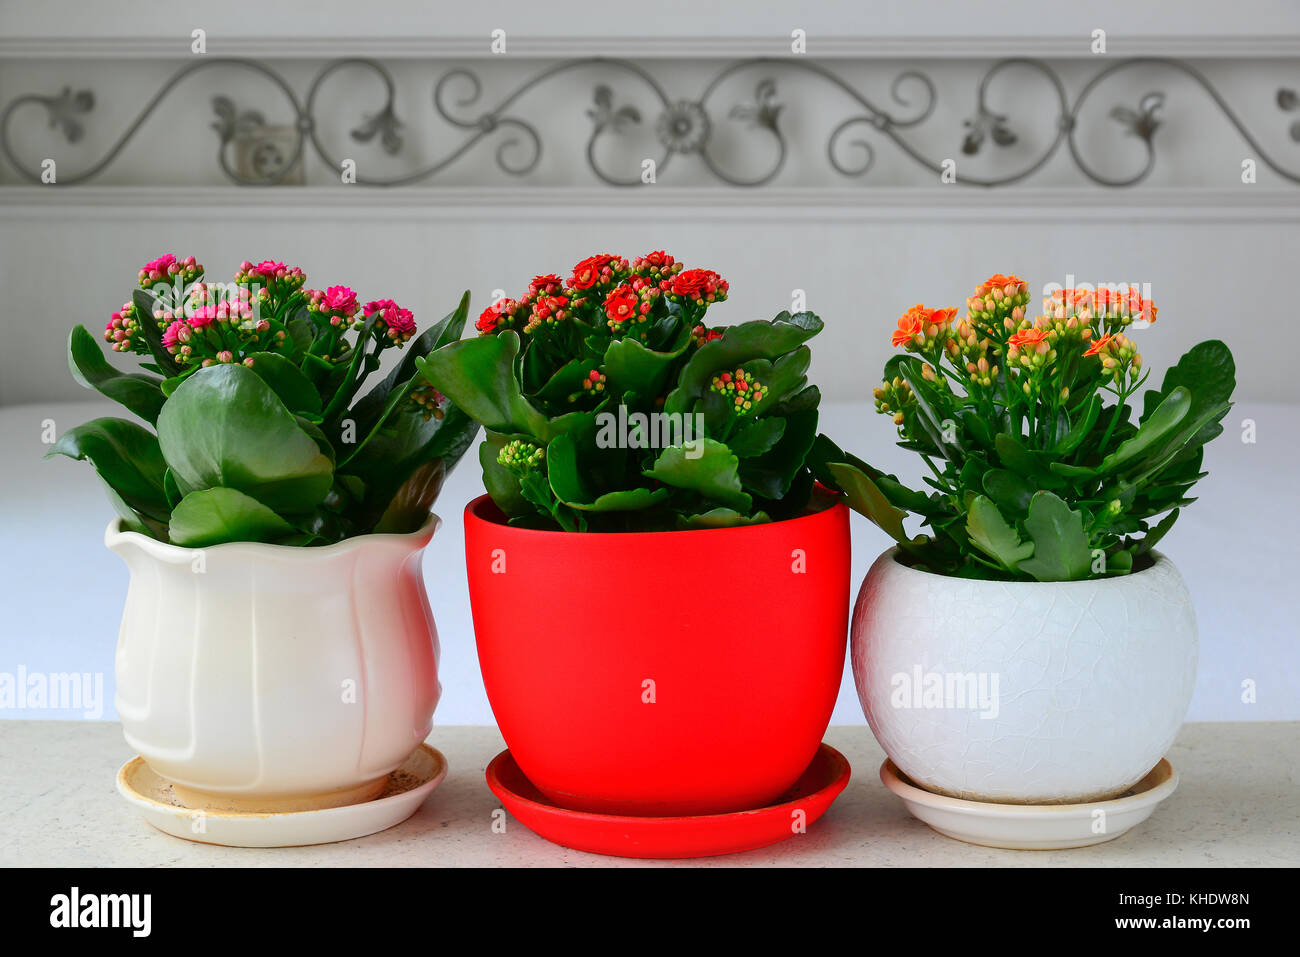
(698, 286)
(607, 290)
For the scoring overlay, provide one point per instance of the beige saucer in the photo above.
(406, 789)
(1034, 826)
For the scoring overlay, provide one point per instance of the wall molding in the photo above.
(1054, 46)
(1244, 204)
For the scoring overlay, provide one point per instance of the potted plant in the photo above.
(1031, 646)
(276, 650)
(659, 592)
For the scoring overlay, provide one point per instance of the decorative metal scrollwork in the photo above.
(683, 127)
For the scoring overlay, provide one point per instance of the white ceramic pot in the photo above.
(1024, 692)
(275, 678)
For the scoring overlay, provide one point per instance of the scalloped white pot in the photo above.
(1024, 692)
(273, 678)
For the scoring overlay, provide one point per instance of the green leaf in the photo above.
(1023, 462)
(1172, 410)
(224, 427)
(632, 367)
(1152, 537)
(409, 508)
(287, 381)
(144, 303)
(725, 518)
(1185, 444)
(994, 536)
(478, 375)
(1061, 548)
(1081, 426)
(216, 515)
(756, 437)
(928, 401)
(1208, 372)
(708, 467)
(405, 444)
(367, 410)
(758, 339)
(142, 394)
(626, 500)
(500, 482)
(772, 474)
(865, 498)
(127, 457)
(1119, 562)
(1008, 490)
(172, 489)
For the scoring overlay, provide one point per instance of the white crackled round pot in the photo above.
(273, 678)
(1024, 692)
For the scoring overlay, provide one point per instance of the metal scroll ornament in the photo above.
(252, 151)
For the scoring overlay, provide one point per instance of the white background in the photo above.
(1218, 256)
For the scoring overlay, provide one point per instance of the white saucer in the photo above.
(1034, 826)
(407, 788)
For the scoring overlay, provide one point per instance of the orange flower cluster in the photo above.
(1123, 304)
(921, 325)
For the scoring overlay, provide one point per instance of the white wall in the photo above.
(1218, 254)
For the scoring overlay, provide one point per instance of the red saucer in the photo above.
(705, 835)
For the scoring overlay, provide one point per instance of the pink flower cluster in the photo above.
(166, 268)
(122, 327)
(338, 303)
(394, 321)
(268, 271)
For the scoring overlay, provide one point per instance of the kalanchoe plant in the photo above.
(610, 405)
(252, 388)
(1042, 465)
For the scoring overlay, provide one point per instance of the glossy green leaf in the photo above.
(409, 508)
(225, 427)
(1151, 433)
(478, 376)
(633, 367)
(368, 409)
(216, 515)
(148, 331)
(126, 456)
(140, 393)
(287, 381)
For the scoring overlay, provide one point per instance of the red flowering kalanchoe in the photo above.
(628, 342)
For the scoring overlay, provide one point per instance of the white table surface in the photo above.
(61, 591)
(1237, 805)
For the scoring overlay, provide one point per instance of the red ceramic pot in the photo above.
(661, 673)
